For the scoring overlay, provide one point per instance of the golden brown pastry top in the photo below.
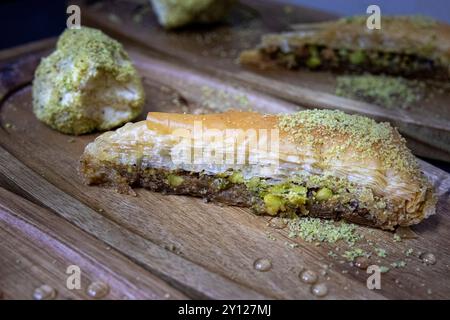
(329, 143)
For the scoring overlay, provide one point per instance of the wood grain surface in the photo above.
(160, 246)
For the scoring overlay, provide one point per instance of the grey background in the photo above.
(439, 9)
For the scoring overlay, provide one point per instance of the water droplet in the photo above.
(308, 276)
(361, 263)
(262, 264)
(44, 292)
(277, 223)
(97, 289)
(319, 290)
(428, 258)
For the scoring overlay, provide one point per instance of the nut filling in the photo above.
(298, 196)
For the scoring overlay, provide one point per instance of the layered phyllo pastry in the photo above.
(317, 163)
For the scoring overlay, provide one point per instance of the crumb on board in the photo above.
(380, 252)
(351, 255)
(398, 264)
(385, 91)
(318, 230)
(384, 269)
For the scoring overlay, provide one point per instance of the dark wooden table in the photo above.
(174, 247)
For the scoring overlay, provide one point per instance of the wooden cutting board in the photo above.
(215, 50)
(159, 246)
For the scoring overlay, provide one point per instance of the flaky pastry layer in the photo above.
(348, 158)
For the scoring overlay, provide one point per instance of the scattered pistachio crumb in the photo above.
(389, 92)
(384, 269)
(318, 230)
(271, 237)
(409, 252)
(380, 252)
(332, 254)
(397, 238)
(291, 245)
(351, 255)
(398, 264)
(8, 125)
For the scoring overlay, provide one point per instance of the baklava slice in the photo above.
(410, 46)
(317, 163)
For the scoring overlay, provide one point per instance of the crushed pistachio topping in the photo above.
(371, 139)
(80, 87)
(390, 92)
(315, 229)
(397, 238)
(409, 252)
(93, 47)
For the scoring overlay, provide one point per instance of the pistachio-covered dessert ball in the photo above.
(178, 13)
(87, 84)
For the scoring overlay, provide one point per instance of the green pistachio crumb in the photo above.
(409, 252)
(351, 255)
(323, 194)
(315, 229)
(291, 245)
(398, 264)
(380, 252)
(174, 180)
(271, 237)
(385, 91)
(236, 177)
(313, 62)
(274, 204)
(384, 269)
(332, 254)
(370, 138)
(357, 57)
